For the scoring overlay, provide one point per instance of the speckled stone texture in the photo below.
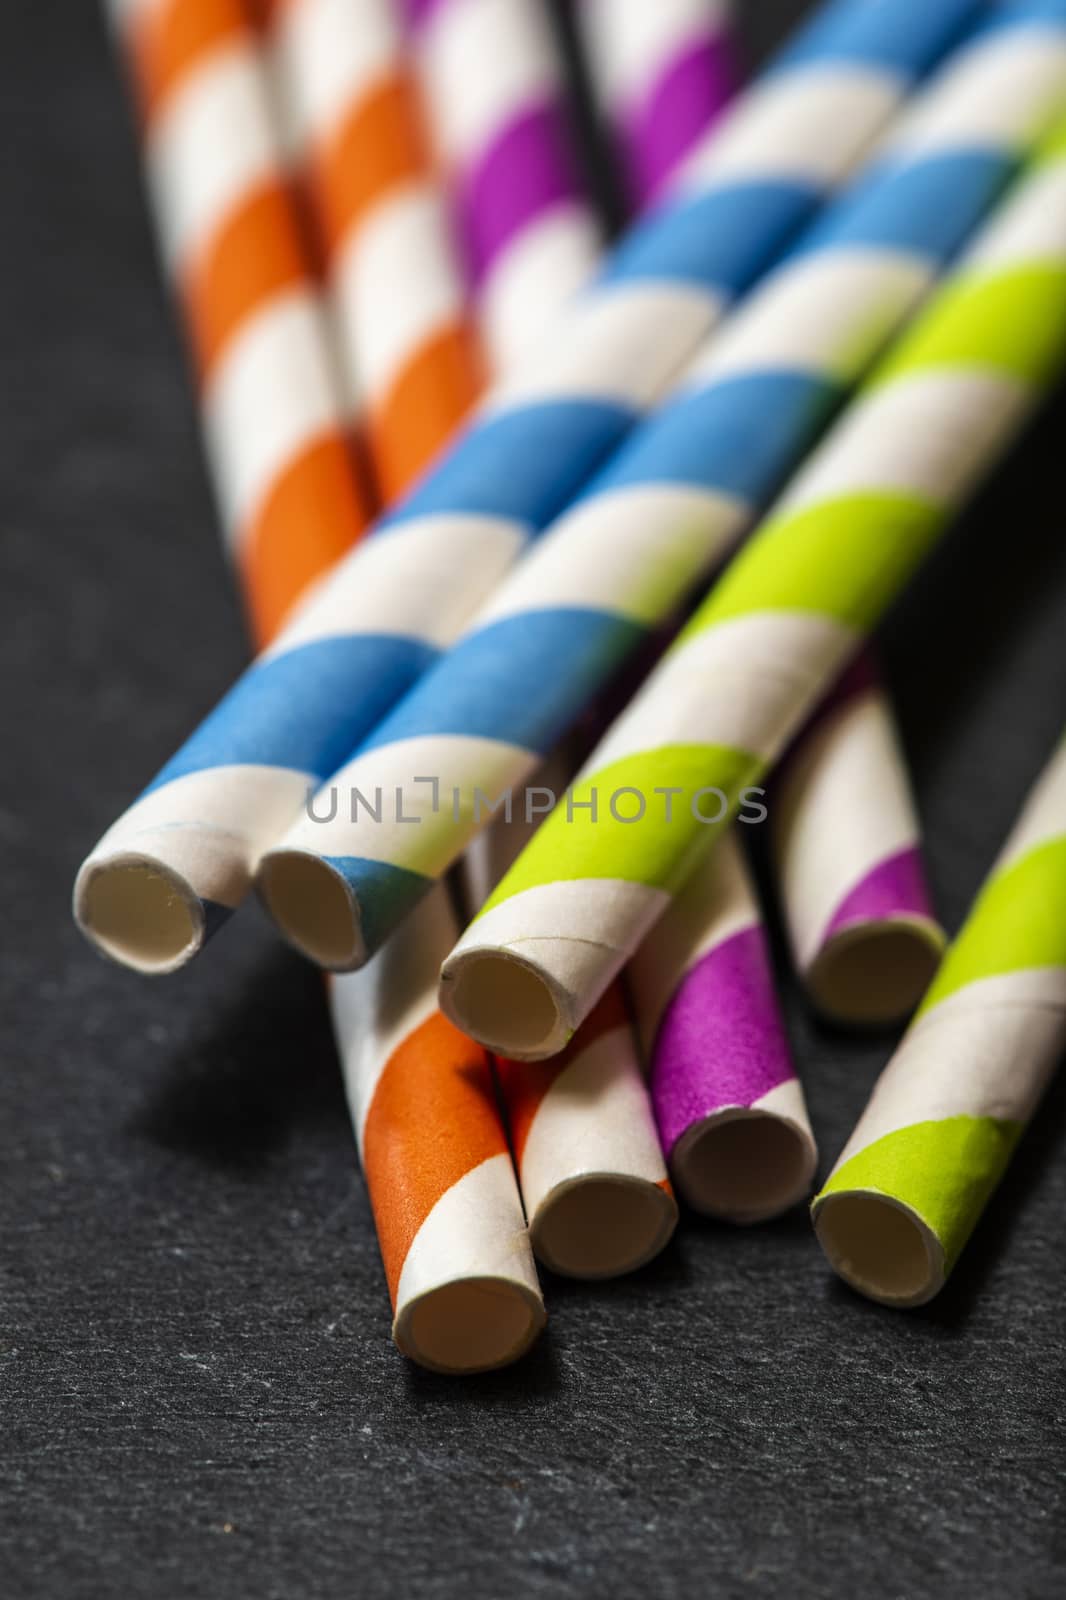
(198, 1395)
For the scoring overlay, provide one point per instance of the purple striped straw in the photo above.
(495, 96)
(663, 71)
(730, 1110)
(849, 861)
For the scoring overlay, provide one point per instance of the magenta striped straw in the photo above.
(662, 71)
(495, 93)
(850, 867)
(730, 1110)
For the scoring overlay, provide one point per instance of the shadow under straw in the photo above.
(234, 1098)
(537, 1376)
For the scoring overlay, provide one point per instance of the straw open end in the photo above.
(474, 1325)
(744, 1165)
(602, 1225)
(139, 913)
(880, 1247)
(313, 908)
(504, 1003)
(875, 973)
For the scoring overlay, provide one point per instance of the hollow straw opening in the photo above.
(504, 1004)
(602, 1225)
(744, 1166)
(876, 972)
(313, 909)
(880, 1247)
(473, 1325)
(139, 914)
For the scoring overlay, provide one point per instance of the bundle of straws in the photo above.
(563, 566)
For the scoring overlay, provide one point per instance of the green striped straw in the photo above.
(773, 634)
(951, 1105)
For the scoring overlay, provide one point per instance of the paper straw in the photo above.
(847, 841)
(172, 868)
(496, 101)
(434, 1153)
(948, 1110)
(290, 495)
(662, 74)
(432, 1144)
(731, 1112)
(662, 513)
(592, 1173)
(590, 1166)
(773, 634)
(433, 1148)
(398, 283)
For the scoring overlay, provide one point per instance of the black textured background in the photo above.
(199, 1394)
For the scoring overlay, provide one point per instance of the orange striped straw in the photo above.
(291, 497)
(398, 287)
(433, 1147)
(434, 1153)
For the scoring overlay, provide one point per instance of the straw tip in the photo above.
(873, 973)
(139, 913)
(603, 1225)
(880, 1246)
(313, 907)
(505, 1002)
(744, 1165)
(470, 1325)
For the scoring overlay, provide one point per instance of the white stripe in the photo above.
(403, 581)
(621, 344)
(533, 280)
(1030, 227)
(1044, 816)
(634, 552)
(580, 962)
(376, 1009)
(743, 683)
(987, 1051)
(496, 849)
(845, 806)
(787, 1101)
(582, 906)
(827, 313)
(927, 434)
(475, 1230)
(398, 283)
(810, 125)
(271, 395)
(716, 903)
(432, 843)
(485, 62)
(998, 93)
(595, 1118)
(631, 41)
(211, 146)
(332, 53)
(210, 827)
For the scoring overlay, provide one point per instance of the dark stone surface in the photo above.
(199, 1394)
